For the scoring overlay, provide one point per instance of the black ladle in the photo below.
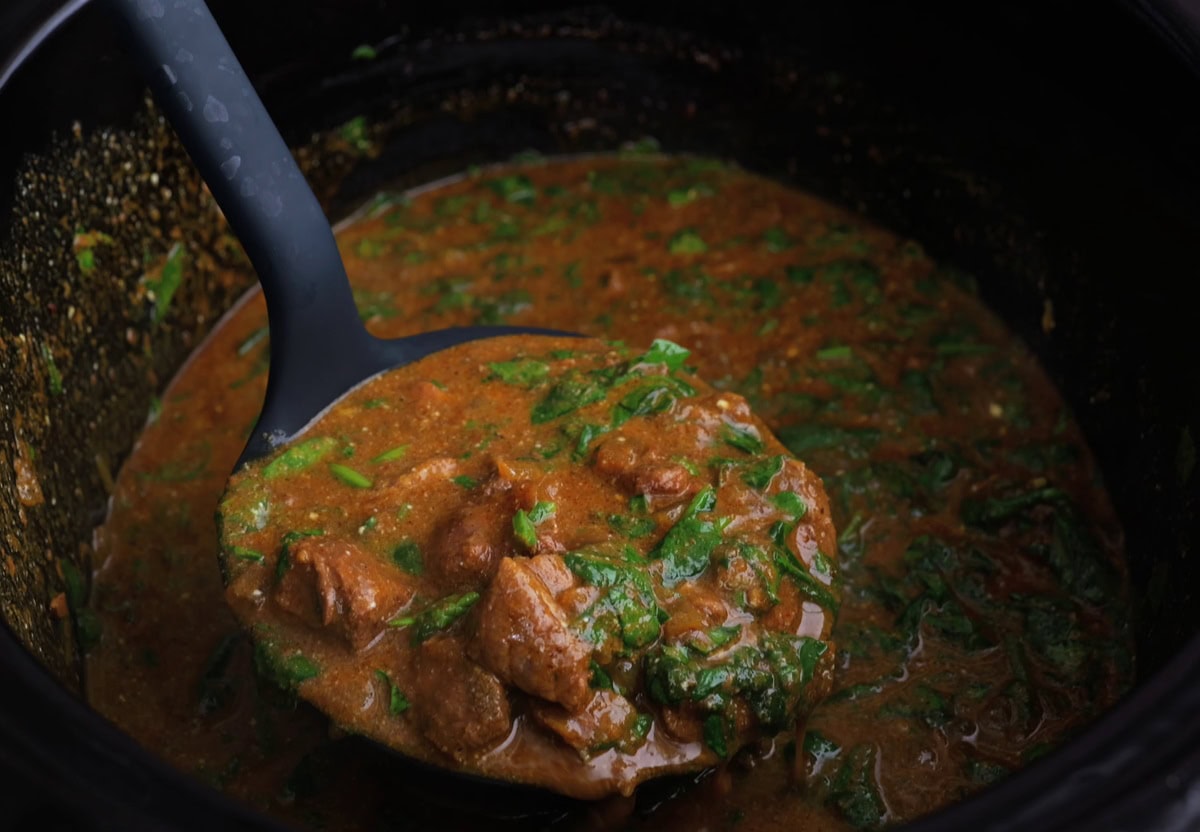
(319, 347)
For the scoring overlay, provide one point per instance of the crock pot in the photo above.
(1048, 148)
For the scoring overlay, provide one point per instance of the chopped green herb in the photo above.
(854, 790)
(631, 527)
(298, 457)
(525, 372)
(465, 481)
(524, 530)
(791, 504)
(687, 241)
(714, 639)
(856, 442)
(777, 240)
(349, 476)
(714, 735)
(655, 396)
(355, 133)
(665, 352)
(391, 455)
(169, 279)
(407, 555)
(567, 396)
(542, 510)
(243, 553)
(838, 353)
(286, 672)
(805, 582)
(689, 544)
(600, 679)
(252, 340)
(397, 702)
(758, 475)
(514, 188)
(436, 617)
(743, 437)
(684, 196)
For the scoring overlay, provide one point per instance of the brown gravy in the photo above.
(985, 613)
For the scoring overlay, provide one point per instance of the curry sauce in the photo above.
(984, 609)
(626, 576)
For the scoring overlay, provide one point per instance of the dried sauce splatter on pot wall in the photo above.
(984, 617)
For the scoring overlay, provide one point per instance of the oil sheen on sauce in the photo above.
(985, 610)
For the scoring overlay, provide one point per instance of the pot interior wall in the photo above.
(1048, 183)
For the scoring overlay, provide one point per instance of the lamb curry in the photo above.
(976, 570)
(544, 559)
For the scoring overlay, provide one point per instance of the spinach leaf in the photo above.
(855, 442)
(665, 352)
(854, 790)
(743, 437)
(791, 504)
(407, 555)
(714, 735)
(689, 544)
(631, 527)
(397, 702)
(630, 599)
(523, 372)
(284, 671)
(652, 397)
(567, 396)
(991, 512)
(808, 585)
(758, 475)
(687, 241)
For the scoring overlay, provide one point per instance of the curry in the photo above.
(543, 559)
(983, 613)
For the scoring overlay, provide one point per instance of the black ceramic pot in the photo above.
(1050, 148)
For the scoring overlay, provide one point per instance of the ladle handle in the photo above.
(227, 131)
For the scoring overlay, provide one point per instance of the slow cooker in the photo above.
(1049, 148)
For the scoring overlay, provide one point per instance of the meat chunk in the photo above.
(523, 636)
(695, 610)
(639, 470)
(334, 584)
(461, 708)
(554, 573)
(606, 721)
(469, 547)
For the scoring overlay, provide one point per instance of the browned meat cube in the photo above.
(468, 548)
(336, 585)
(461, 708)
(640, 470)
(523, 636)
(606, 721)
(553, 572)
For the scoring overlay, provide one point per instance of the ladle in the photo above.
(320, 348)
